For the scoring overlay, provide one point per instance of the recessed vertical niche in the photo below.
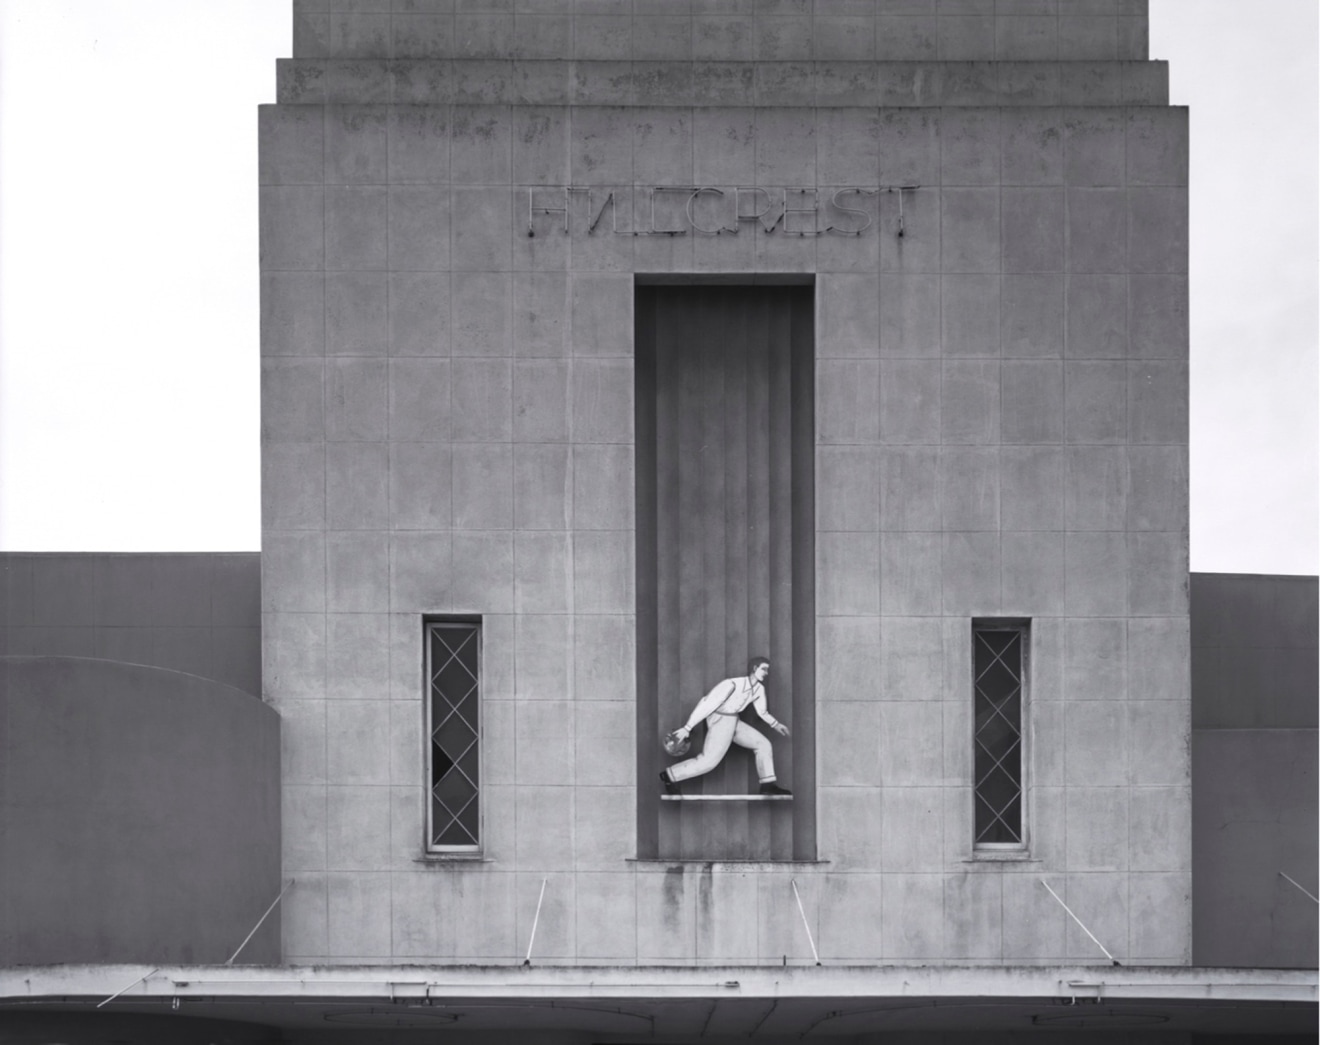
(725, 433)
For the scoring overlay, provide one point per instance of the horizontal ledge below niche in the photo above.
(726, 798)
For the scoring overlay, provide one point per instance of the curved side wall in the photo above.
(139, 815)
(1253, 821)
(1254, 766)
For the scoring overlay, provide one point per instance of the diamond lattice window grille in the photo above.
(997, 706)
(453, 668)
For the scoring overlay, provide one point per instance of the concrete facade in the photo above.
(1001, 403)
(161, 847)
(981, 206)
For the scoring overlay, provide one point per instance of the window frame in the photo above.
(429, 626)
(1022, 847)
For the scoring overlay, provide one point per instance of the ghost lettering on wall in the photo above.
(712, 210)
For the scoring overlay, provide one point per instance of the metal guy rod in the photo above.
(259, 921)
(1079, 922)
(805, 924)
(1303, 888)
(129, 987)
(528, 959)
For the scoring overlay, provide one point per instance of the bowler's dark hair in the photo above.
(755, 663)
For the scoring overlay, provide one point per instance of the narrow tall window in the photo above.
(453, 665)
(999, 686)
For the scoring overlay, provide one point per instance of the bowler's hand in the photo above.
(781, 729)
(682, 732)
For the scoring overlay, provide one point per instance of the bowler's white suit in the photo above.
(721, 708)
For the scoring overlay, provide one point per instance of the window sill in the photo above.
(440, 859)
(726, 798)
(1001, 856)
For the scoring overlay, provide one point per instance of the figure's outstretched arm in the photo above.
(759, 703)
(706, 705)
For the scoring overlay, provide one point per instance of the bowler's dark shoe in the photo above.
(670, 787)
(771, 788)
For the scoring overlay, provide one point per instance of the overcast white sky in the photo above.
(128, 273)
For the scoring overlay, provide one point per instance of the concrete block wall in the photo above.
(194, 612)
(1001, 412)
